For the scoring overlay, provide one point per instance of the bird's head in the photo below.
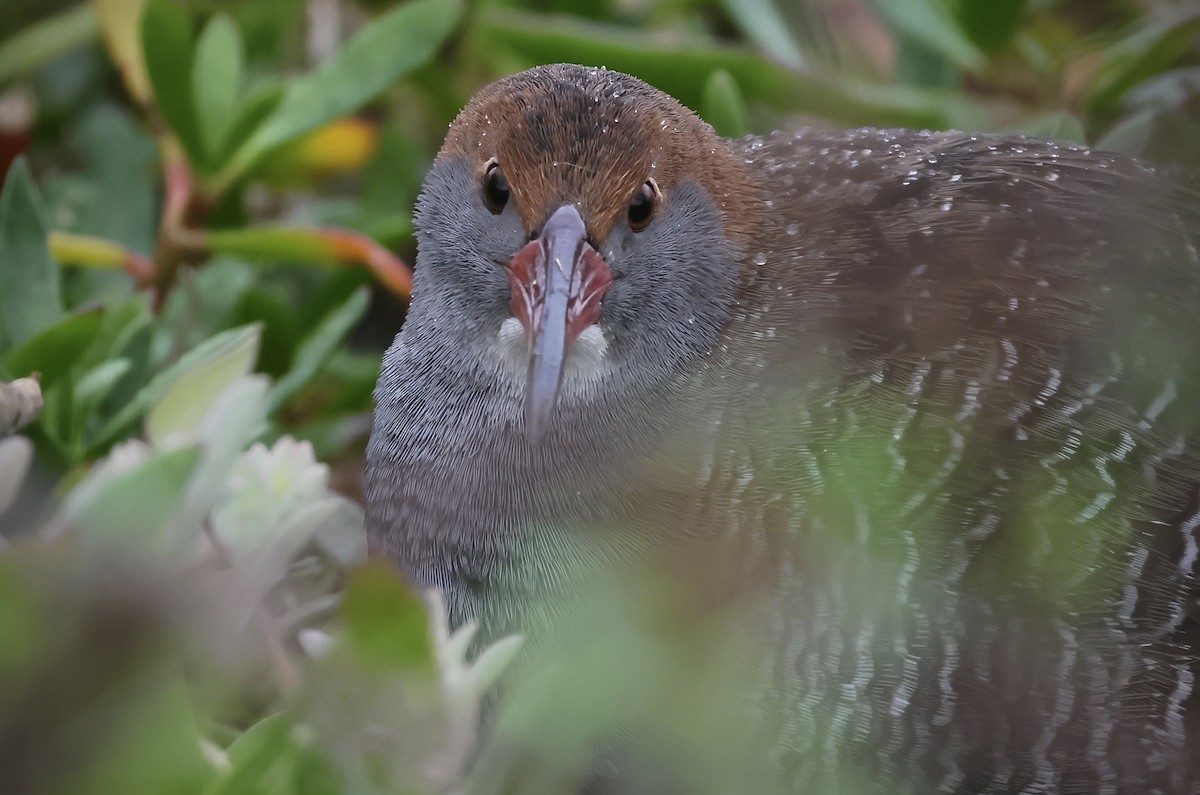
(584, 225)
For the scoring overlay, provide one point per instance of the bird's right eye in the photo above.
(495, 188)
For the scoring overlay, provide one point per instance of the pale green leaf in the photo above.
(217, 82)
(390, 46)
(53, 350)
(168, 47)
(42, 42)
(130, 496)
(233, 344)
(723, 106)
(94, 386)
(188, 397)
(318, 346)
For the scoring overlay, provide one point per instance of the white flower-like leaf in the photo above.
(463, 686)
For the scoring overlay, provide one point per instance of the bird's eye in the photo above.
(641, 206)
(495, 188)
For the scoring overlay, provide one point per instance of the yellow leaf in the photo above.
(340, 147)
(120, 21)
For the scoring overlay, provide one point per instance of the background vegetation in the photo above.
(204, 226)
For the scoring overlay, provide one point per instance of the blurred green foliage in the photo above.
(184, 184)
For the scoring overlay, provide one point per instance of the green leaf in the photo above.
(390, 183)
(131, 498)
(42, 42)
(231, 422)
(90, 391)
(1057, 126)
(318, 246)
(119, 155)
(143, 727)
(253, 755)
(124, 333)
(167, 46)
(258, 105)
(386, 623)
(54, 350)
(274, 244)
(723, 106)
(317, 347)
(191, 392)
(217, 82)
(30, 292)
(990, 25)
(929, 23)
(1131, 135)
(22, 619)
(766, 27)
(672, 67)
(390, 46)
(233, 344)
(316, 774)
(1143, 54)
(120, 20)
(206, 299)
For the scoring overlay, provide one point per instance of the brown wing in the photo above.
(994, 345)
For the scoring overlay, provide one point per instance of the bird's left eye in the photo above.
(641, 206)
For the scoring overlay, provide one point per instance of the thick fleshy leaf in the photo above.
(386, 623)
(230, 348)
(54, 350)
(96, 252)
(231, 422)
(390, 46)
(340, 147)
(42, 42)
(168, 48)
(188, 397)
(217, 82)
(130, 496)
(125, 332)
(30, 292)
(318, 346)
(316, 246)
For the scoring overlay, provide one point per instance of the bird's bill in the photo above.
(557, 283)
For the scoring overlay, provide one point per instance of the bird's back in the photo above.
(960, 412)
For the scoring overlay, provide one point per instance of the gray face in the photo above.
(672, 292)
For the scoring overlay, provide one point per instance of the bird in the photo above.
(923, 403)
